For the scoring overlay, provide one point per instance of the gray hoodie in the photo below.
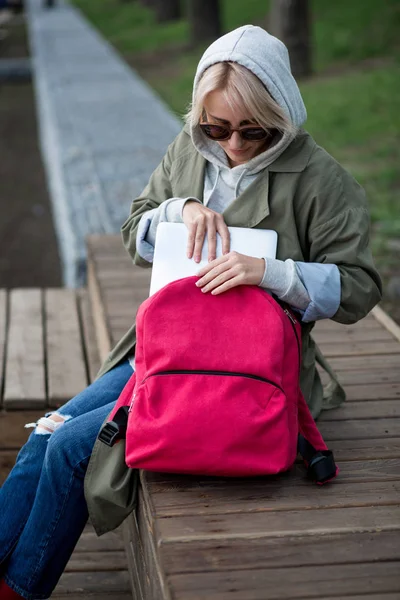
(295, 283)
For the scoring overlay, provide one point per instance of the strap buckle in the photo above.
(114, 430)
(322, 467)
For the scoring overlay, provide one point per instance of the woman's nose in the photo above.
(236, 141)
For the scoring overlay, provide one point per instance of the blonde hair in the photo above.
(241, 90)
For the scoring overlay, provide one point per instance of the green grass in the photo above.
(356, 118)
(353, 101)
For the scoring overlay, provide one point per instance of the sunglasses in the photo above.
(220, 133)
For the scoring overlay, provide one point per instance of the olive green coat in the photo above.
(320, 214)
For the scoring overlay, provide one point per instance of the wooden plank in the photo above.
(25, 372)
(97, 595)
(364, 335)
(358, 429)
(288, 583)
(90, 542)
(3, 330)
(384, 319)
(365, 449)
(280, 523)
(155, 583)
(350, 471)
(274, 496)
(140, 580)
(359, 348)
(89, 335)
(97, 561)
(327, 324)
(93, 582)
(378, 596)
(12, 431)
(362, 410)
(290, 551)
(66, 372)
(375, 391)
(349, 363)
(373, 375)
(7, 461)
(103, 335)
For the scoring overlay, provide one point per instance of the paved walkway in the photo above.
(103, 130)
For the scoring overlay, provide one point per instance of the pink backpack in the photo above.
(216, 388)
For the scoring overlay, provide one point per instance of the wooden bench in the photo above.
(273, 538)
(48, 354)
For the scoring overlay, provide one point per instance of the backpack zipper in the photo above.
(204, 372)
(293, 323)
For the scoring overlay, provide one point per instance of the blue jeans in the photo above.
(42, 504)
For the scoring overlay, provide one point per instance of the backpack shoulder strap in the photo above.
(318, 459)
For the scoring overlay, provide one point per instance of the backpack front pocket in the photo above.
(209, 422)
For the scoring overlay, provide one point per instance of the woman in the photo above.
(241, 160)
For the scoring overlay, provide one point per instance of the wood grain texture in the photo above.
(12, 431)
(66, 371)
(100, 322)
(288, 583)
(3, 331)
(93, 582)
(93, 362)
(388, 323)
(7, 461)
(339, 349)
(288, 551)
(274, 496)
(25, 385)
(363, 410)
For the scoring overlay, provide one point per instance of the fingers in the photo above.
(227, 285)
(200, 222)
(214, 276)
(191, 237)
(225, 236)
(212, 243)
(199, 239)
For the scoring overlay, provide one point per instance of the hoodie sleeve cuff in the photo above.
(281, 278)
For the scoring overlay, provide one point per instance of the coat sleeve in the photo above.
(344, 241)
(157, 191)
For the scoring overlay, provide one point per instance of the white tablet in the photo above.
(171, 263)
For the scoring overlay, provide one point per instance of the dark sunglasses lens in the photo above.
(215, 132)
(254, 134)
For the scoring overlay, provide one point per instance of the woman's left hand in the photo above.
(230, 270)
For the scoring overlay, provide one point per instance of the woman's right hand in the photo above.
(202, 221)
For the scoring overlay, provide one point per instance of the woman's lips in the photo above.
(239, 151)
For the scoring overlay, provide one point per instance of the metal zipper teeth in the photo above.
(212, 373)
(216, 373)
(293, 322)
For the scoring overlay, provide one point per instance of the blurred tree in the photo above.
(167, 10)
(290, 22)
(204, 19)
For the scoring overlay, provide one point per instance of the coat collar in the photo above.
(252, 206)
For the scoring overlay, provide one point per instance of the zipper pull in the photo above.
(132, 401)
(291, 317)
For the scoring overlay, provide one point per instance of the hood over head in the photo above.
(268, 58)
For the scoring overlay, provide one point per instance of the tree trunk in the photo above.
(167, 10)
(290, 22)
(205, 20)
